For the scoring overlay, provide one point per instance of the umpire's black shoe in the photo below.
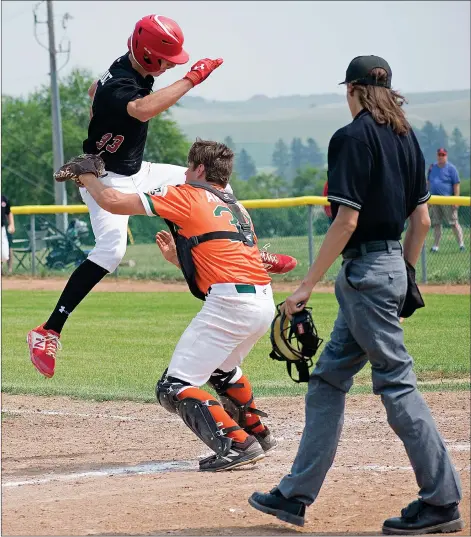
(420, 517)
(274, 503)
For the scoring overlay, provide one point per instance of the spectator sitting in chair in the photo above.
(8, 225)
(443, 180)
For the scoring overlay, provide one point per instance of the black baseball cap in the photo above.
(359, 71)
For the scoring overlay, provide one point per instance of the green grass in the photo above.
(117, 345)
(449, 265)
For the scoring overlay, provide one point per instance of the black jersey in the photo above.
(377, 172)
(119, 137)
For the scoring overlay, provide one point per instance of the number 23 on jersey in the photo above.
(110, 147)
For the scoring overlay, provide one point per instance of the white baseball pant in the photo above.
(5, 245)
(223, 333)
(110, 230)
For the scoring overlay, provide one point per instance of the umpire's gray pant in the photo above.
(370, 290)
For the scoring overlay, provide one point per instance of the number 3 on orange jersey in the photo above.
(220, 210)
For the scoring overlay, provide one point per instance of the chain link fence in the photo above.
(40, 249)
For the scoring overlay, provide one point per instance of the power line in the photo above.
(30, 181)
(36, 22)
(18, 139)
(15, 15)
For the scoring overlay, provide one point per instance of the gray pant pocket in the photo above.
(346, 271)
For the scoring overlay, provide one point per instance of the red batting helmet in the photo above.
(157, 38)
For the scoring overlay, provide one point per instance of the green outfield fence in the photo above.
(294, 226)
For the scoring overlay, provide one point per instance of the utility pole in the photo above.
(57, 142)
(60, 192)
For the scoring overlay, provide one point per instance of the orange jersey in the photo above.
(196, 211)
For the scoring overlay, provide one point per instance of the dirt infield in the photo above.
(73, 467)
(111, 284)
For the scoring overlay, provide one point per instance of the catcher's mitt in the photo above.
(77, 166)
(295, 341)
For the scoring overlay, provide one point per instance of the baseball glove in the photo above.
(77, 166)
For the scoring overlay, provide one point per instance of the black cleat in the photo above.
(274, 503)
(266, 440)
(419, 518)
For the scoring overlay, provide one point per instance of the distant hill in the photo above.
(259, 122)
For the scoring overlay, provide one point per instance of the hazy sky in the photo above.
(271, 48)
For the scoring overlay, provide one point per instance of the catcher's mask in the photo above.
(294, 341)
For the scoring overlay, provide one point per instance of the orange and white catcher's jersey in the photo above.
(196, 211)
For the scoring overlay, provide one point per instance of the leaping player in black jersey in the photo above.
(122, 105)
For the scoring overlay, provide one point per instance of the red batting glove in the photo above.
(202, 69)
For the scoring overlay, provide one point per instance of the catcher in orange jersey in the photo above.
(216, 248)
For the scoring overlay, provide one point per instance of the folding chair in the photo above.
(21, 253)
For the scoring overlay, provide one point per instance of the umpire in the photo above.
(376, 181)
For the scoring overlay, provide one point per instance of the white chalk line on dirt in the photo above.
(454, 446)
(21, 411)
(139, 469)
(171, 466)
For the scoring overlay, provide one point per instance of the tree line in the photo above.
(431, 137)
(299, 167)
(288, 159)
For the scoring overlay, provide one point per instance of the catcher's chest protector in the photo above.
(185, 245)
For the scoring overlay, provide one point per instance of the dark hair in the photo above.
(216, 158)
(384, 104)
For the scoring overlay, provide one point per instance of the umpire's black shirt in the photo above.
(377, 172)
(119, 137)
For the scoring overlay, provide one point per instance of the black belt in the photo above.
(371, 246)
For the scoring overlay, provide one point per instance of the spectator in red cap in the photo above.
(443, 180)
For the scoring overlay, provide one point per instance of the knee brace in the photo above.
(167, 390)
(222, 382)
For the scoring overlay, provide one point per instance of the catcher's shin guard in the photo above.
(235, 392)
(206, 417)
(201, 413)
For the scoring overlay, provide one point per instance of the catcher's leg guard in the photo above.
(201, 413)
(203, 405)
(236, 395)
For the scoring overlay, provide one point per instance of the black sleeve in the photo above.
(7, 206)
(349, 171)
(115, 94)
